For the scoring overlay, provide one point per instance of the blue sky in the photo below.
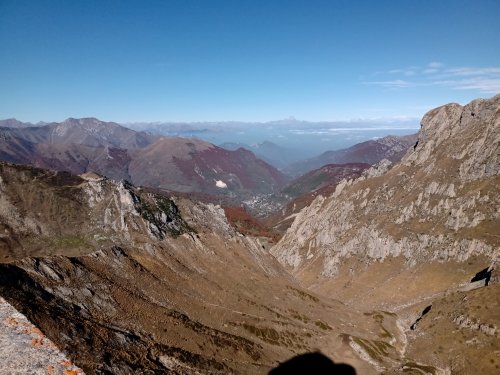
(244, 60)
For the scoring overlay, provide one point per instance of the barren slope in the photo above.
(130, 282)
(187, 165)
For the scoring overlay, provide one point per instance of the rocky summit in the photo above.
(393, 272)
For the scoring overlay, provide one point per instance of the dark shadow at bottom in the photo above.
(312, 363)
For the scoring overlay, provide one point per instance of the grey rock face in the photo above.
(440, 203)
(24, 349)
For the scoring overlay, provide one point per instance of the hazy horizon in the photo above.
(295, 140)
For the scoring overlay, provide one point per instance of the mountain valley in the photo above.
(389, 266)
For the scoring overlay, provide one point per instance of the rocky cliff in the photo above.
(409, 234)
(440, 202)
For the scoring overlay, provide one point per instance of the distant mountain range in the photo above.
(86, 131)
(107, 148)
(291, 122)
(392, 148)
(230, 174)
(286, 141)
(13, 123)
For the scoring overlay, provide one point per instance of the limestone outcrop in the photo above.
(441, 202)
(406, 236)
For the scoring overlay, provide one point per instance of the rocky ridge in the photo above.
(126, 281)
(439, 202)
(411, 235)
(302, 191)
